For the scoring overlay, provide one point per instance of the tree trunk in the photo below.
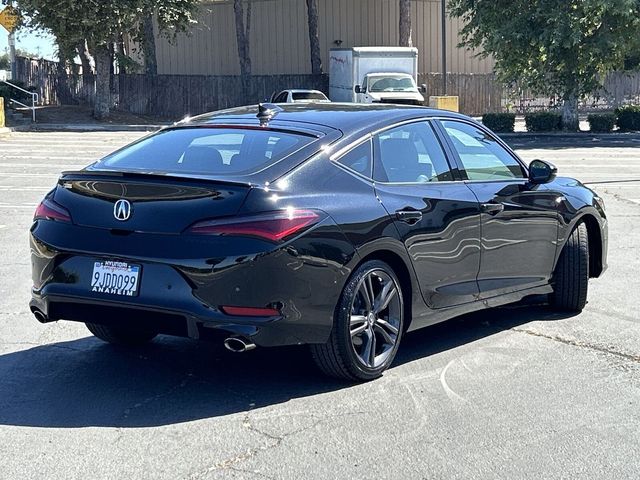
(405, 23)
(314, 39)
(149, 46)
(85, 57)
(570, 120)
(63, 93)
(103, 75)
(121, 54)
(242, 36)
(62, 86)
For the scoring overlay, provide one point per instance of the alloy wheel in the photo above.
(376, 316)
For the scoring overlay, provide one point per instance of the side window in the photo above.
(410, 154)
(282, 98)
(358, 159)
(482, 157)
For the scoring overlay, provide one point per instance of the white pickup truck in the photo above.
(375, 75)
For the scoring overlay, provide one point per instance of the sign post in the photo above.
(9, 19)
(12, 54)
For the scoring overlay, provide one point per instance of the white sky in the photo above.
(41, 44)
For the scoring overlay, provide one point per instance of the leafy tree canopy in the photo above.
(552, 46)
(103, 21)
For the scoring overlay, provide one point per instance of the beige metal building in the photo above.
(280, 40)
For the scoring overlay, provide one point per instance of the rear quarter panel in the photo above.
(351, 203)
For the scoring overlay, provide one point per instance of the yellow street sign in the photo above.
(9, 18)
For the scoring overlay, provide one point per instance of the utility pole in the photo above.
(444, 47)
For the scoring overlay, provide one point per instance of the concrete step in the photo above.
(15, 118)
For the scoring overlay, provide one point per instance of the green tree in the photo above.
(102, 23)
(557, 47)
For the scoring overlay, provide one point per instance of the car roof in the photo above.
(395, 74)
(346, 117)
(302, 90)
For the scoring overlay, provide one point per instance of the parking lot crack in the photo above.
(622, 199)
(578, 343)
(273, 441)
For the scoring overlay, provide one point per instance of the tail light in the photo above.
(273, 226)
(50, 210)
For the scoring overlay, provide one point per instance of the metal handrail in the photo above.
(13, 100)
(35, 99)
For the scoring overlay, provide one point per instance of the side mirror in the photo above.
(358, 89)
(423, 88)
(541, 172)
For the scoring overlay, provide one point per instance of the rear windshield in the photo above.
(205, 151)
(308, 96)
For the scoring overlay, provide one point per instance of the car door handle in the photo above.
(409, 216)
(492, 208)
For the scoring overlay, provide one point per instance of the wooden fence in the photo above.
(174, 96)
(620, 88)
(478, 93)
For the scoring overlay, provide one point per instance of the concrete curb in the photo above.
(89, 127)
(585, 135)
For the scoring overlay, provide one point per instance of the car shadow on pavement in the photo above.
(85, 382)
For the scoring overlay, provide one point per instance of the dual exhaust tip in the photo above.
(233, 344)
(238, 344)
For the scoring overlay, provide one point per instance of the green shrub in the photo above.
(543, 121)
(602, 122)
(628, 118)
(499, 122)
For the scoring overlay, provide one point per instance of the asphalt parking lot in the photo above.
(511, 393)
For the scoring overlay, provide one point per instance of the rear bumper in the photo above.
(302, 279)
(265, 331)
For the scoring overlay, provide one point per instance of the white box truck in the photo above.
(374, 75)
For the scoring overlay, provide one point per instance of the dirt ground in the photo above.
(82, 114)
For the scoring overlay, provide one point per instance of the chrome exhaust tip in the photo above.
(41, 317)
(238, 344)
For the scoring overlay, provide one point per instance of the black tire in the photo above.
(571, 277)
(122, 335)
(339, 357)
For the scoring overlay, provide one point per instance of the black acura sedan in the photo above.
(341, 226)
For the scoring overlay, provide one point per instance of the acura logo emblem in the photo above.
(122, 210)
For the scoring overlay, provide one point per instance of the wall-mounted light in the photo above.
(338, 42)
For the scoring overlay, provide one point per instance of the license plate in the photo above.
(115, 278)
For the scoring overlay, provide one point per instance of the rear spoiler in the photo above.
(83, 174)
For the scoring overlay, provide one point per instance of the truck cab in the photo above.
(389, 87)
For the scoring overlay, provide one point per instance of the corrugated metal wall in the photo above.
(280, 41)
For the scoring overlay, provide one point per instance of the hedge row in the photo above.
(500, 122)
(543, 121)
(602, 122)
(626, 118)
